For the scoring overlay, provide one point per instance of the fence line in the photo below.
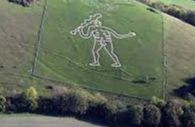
(164, 57)
(37, 45)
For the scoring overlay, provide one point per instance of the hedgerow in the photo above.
(83, 104)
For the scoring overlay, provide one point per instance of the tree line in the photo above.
(83, 104)
(173, 10)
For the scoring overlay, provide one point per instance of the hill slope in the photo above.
(65, 57)
(180, 41)
(141, 56)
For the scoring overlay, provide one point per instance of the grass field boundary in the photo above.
(93, 89)
(164, 57)
(164, 49)
(37, 45)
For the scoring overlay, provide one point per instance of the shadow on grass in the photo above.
(188, 89)
(93, 120)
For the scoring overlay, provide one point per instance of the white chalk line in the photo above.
(102, 35)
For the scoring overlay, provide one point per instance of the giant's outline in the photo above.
(102, 38)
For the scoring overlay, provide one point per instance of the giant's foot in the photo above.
(94, 64)
(116, 65)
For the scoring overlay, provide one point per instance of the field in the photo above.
(18, 34)
(64, 57)
(180, 52)
(188, 4)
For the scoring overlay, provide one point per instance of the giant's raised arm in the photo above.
(119, 36)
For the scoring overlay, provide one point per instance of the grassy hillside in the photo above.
(180, 41)
(66, 58)
(18, 34)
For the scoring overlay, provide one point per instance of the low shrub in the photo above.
(31, 96)
(158, 101)
(70, 103)
(22, 2)
(2, 103)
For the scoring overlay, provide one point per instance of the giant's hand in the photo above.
(132, 34)
(75, 31)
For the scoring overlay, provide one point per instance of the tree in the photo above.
(188, 118)
(135, 115)
(31, 97)
(23, 102)
(152, 116)
(171, 113)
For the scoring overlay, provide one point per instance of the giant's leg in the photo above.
(110, 50)
(96, 55)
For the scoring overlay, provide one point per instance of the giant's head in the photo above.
(97, 23)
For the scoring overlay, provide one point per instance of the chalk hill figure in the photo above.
(102, 35)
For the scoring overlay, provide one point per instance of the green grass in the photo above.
(18, 34)
(180, 41)
(188, 4)
(65, 58)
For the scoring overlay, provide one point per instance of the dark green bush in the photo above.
(23, 102)
(174, 10)
(190, 18)
(71, 103)
(2, 103)
(188, 118)
(17, 103)
(171, 113)
(22, 2)
(152, 116)
(121, 118)
(136, 115)
(103, 111)
(46, 106)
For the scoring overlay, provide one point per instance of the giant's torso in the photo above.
(101, 35)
